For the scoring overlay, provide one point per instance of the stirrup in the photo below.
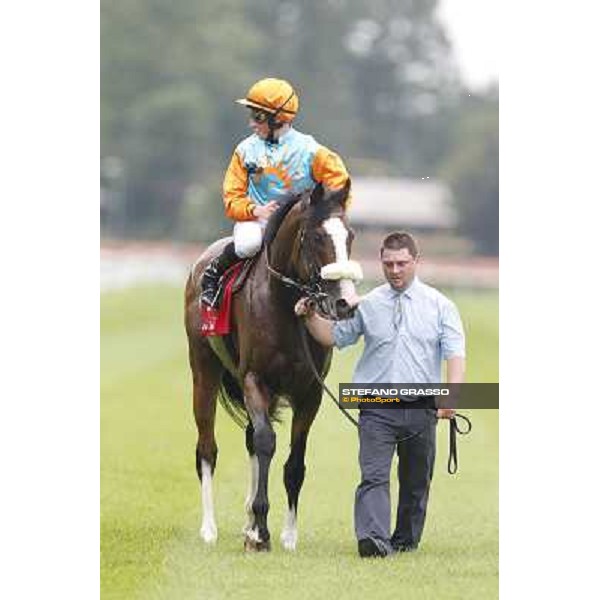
(211, 296)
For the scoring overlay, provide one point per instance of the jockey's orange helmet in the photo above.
(274, 96)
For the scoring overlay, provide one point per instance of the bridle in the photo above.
(313, 288)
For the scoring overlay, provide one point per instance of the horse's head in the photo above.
(318, 259)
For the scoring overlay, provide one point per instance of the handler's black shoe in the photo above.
(404, 547)
(368, 548)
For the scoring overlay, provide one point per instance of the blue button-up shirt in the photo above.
(407, 334)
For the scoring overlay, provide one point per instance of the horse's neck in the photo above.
(282, 251)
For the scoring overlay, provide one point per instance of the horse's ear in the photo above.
(341, 196)
(317, 194)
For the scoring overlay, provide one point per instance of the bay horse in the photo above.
(306, 250)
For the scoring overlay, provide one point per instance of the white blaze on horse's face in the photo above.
(339, 235)
(347, 271)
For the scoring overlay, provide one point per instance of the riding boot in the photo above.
(213, 273)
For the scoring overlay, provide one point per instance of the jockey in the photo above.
(276, 161)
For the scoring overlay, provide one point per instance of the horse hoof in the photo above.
(208, 533)
(252, 545)
(289, 539)
(247, 528)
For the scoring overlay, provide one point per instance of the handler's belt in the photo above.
(405, 402)
(420, 402)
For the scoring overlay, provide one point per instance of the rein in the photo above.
(453, 423)
(313, 367)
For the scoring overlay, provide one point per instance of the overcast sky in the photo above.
(473, 29)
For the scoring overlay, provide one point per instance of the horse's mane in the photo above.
(276, 219)
(317, 213)
(320, 211)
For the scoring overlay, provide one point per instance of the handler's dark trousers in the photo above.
(379, 433)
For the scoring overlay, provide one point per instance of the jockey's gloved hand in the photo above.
(265, 211)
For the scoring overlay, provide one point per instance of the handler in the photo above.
(409, 328)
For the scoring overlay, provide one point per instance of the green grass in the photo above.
(150, 495)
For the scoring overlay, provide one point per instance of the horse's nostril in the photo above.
(343, 309)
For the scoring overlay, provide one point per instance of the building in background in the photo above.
(386, 203)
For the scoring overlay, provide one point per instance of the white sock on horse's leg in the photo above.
(252, 489)
(289, 535)
(208, 530)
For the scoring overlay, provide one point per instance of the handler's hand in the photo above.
(264, 212)
(304, 307)
(445, 413)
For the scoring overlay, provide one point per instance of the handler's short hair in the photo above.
(398, 240)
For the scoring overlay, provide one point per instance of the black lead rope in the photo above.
(317, 375)
(453, 423)
(454, 429)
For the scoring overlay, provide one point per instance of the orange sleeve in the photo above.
(328, 169)
(235, 191)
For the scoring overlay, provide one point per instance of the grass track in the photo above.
(150, 495)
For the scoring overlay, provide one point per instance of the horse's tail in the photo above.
(231, 398)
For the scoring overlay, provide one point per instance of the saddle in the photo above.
(217, 321)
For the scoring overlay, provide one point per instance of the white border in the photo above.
(549, 301)
(50, 300)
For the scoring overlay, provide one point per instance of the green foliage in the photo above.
(472, 170)
(166, 72)
(201, 218)
(376, 79)
(168, 130)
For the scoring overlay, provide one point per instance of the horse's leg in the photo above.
(256, 398)
(253, 482)
(294, 470)
(206, 371)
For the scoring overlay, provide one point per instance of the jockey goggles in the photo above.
(259, 116)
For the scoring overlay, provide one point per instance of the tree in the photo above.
(167, 70)
(403, 79)
(472, 170)
(376, 80)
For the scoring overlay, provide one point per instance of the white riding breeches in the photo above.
(248, 236)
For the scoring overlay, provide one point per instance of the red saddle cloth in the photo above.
(217, 321)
